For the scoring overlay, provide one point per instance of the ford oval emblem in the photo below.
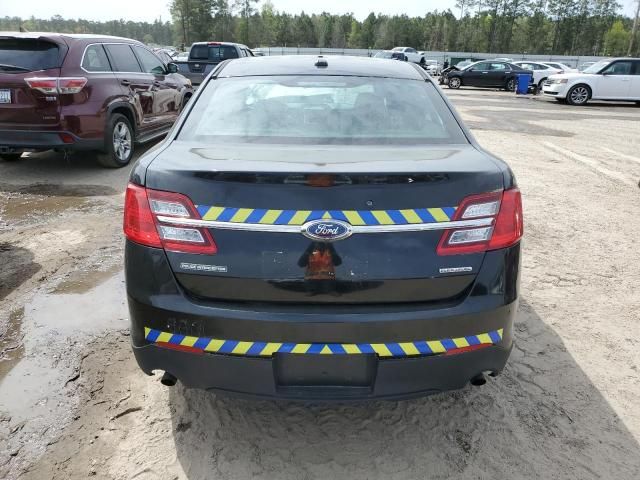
(327, 230)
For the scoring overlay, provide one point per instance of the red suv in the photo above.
(72, 92)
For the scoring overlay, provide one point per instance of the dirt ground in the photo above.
(73, 403)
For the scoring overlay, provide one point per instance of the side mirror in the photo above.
(172, 68)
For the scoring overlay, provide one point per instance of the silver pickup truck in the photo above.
(204, 56)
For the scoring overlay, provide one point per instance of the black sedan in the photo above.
(486, 74)
(306, 232)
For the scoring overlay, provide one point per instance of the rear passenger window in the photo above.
(150, 63)
(95, 59)
(123, 58)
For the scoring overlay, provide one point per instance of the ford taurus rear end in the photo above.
(322, 228)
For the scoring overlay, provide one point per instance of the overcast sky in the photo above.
(152, 9)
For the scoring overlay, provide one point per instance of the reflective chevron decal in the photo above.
(300, 217)
(267, 349)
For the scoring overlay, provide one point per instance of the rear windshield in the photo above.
(320, 110)
(214, 53)
(23, 55)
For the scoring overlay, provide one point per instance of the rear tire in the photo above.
(578, 95)
(454, 82)
(11, 157)
(119, 142)
(510, 86)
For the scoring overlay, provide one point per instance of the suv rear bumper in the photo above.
(18, 141)
(158, 304)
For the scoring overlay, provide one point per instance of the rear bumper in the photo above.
(18, 141)
(157, 302)
(258, 377)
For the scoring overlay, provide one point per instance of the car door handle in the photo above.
(484, 73)
(125, 82)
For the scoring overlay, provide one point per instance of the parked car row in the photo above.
(616, 79)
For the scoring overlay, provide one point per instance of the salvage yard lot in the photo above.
(73, 402)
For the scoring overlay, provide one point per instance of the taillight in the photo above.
(54, 85)
(141, 224)
(504, 208)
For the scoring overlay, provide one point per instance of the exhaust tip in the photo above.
(168, 380)
(479, 380)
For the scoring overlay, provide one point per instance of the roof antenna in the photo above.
(322, 62)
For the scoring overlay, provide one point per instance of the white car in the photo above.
(411, 53)
(583, 66)
(561, 66)
(612, 79)
(432, 67)
(540, 71)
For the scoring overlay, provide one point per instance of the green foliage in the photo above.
(616, 40)
(572, 27)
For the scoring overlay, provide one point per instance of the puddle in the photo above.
(11, 346)
(82, 282)
(55, 328)
(23, 207)
(17, 267)
(60, 190)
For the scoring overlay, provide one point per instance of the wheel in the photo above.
(454, 82)
(637, 104)
(185, 101)
(578, 95)
(119, 142)
(10, 157)
(540, 83)
(510, 85)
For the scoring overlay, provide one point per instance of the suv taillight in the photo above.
(55, 85)
(505, 208)
(141, 225)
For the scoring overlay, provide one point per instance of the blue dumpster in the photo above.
(522, 83)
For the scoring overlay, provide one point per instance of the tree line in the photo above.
(559, 27)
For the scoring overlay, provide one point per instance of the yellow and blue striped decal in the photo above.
(267, 349)
(300, 217)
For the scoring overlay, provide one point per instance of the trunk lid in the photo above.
(20, 105)
(292, 185)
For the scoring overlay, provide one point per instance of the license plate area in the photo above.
(5, 96)
(333, 375)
